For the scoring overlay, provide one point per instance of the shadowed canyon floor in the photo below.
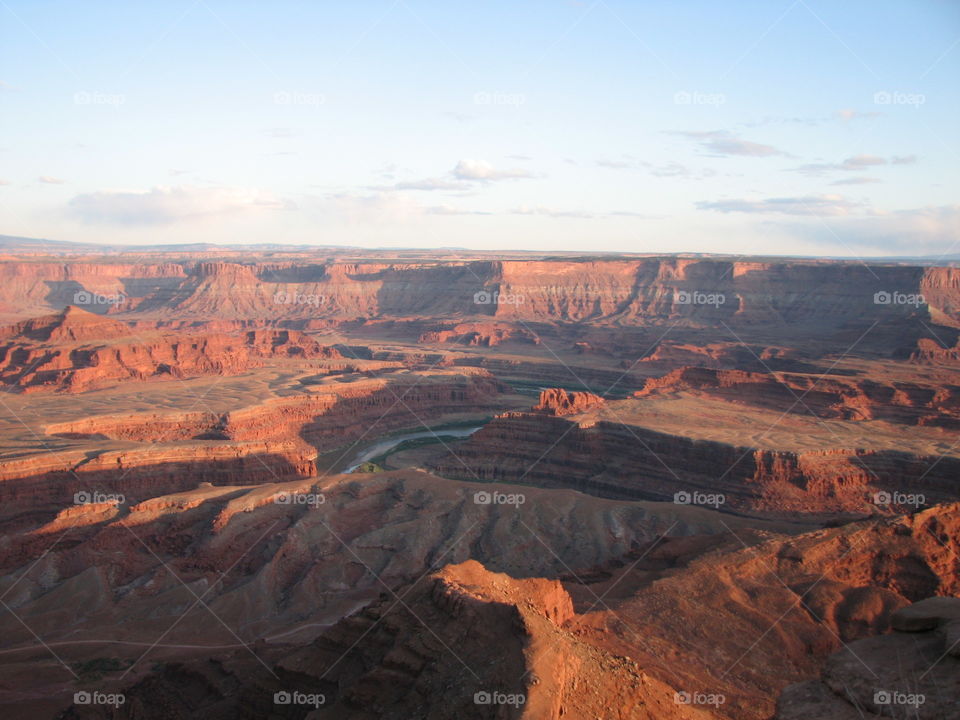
(449, 486)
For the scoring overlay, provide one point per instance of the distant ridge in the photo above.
(13, 244)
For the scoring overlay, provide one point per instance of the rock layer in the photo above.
(826, 397)
(56, 353)
(612, 459)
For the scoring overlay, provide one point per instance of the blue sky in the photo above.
(794, 127)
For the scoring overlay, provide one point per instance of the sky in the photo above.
(800, 127)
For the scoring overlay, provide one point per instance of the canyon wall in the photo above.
(629, 291)
(610, 459)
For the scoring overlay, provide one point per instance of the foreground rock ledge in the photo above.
(913, 672)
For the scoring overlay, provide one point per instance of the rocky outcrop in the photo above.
(559, 402)
(745, 622)
(932, 352)
(33, 363)
(611, 459)
(845, 398)
(278, 439)
(912, 673)
(35, 489)
(498, 647)
(479, 334)
(328, 416)
(73, 325)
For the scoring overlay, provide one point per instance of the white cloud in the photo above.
(482, 171)
(670, 169)
(375, 208)
(50, 180)
(431, 184)
(451, 210)
(724, 143)
(848, 114)
(930, 230)
(858, 162)
(856, 181)
(466, 175)
(666, 170)
(853, 163)
(380, 208)
(548, 212)
(815, 205)
(167, 205)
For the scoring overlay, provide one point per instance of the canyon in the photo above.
(335, 483)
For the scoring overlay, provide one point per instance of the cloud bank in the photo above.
(168, 205)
